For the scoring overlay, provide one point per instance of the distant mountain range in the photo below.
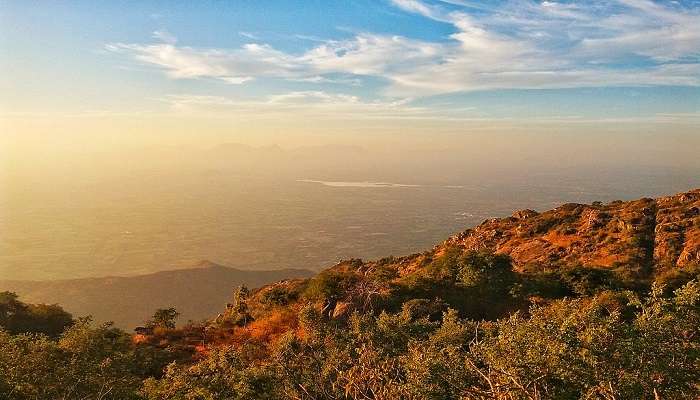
(197, 293)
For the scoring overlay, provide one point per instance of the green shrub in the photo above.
(277, 296)
(672, 279)
(585, 281)
(486, 270)
(329, 285)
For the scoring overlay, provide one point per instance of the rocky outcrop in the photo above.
(677, 231)
(662, 232)
(525, 214)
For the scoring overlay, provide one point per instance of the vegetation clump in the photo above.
(18, 317)
(604, 342)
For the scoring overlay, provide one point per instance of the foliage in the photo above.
(223, 374)
(18, 317)
(580, 281)
(673, 279)
(163, 318)
(492, 273)
(590, 339)
(85, 363)
(237, 312)
(585, 281)
(476, 284)
(329, 285)
(278, 296)
(612, 345)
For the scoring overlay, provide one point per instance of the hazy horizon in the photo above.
(132, 211)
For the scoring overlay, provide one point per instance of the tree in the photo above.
(486, 270)
(329, 285)
(237, 313)
(18, 317)
(590, 348)
(163, 318)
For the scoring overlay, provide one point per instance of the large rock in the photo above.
(603, 235)
(525, 214)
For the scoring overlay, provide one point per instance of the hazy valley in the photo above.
(197, 293)
(264, 208)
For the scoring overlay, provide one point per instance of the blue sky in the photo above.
(448, 59)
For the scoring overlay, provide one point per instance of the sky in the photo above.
(251, 67)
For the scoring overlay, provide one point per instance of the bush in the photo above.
(585, 281)
(86, 363)
(277, 296)
(423, 308)
(675, 278)
(476, 284)
(480, 269)
(608, 345)
(329, 285)
(224, 374)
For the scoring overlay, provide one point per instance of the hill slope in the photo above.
(197, 292)
(662, 233)
(500, 266)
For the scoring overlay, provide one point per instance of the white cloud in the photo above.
(516, 45)
(368, 54)
(419, 7)
(532, 45)
(365, 54)
(323, 79)
(230, 66)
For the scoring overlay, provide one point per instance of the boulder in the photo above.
(342, 309)
(525, 214)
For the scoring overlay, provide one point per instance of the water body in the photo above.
(359, 184)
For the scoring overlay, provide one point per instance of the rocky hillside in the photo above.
(662, 233)
(645, 236)
(500, 266)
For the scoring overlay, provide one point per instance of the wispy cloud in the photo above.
(164, 36)
(518, 44)
(316, 104)
(235, 67)
(248, 35)
(530, 45)
(364, 54)
(320, 105)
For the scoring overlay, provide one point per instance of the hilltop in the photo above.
(659, 233)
